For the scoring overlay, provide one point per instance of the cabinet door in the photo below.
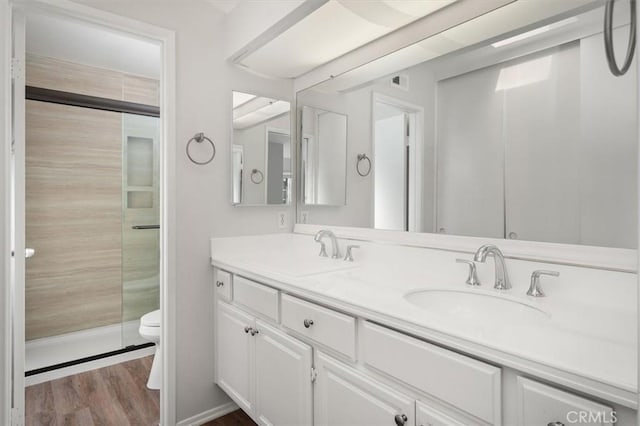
(540, 404)
(235, 355)
(343, 396)
(283, 378)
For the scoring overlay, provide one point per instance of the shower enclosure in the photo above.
(92, 217)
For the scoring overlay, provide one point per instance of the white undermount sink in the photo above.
(299, 264)
(476, 307)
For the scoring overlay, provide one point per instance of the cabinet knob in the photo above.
(254, 332)
(219, 283)
(400, 419)
(247, 329)
(308, 323)
(555, 424)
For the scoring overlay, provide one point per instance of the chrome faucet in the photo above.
(335, 249)
(502, 278)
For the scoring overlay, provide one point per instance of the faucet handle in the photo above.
(472, 279)
(535, 289)
(348, 255)
(323, 249)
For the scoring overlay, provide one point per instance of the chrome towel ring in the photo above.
(361, 158)
(259, 178)
(200, 137)
(608, 39)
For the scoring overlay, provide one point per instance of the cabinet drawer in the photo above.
(332, 329)
(430, 416)
(223, 284)
(463, 382)
(540, 404)
(257, 297)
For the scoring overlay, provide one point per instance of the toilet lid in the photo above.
(152, 319)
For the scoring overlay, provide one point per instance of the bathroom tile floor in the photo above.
(114, 395)
(236, 418)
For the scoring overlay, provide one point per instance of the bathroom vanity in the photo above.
(397, 337)
(507, 128)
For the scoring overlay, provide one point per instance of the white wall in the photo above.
(203, 87)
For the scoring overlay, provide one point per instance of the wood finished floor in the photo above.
(116, 395)
(236, 418)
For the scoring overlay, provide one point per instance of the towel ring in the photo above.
(361, 158)
(200, 137)
(257, 172)
(608, 39)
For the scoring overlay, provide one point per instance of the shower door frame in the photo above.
(13, 413)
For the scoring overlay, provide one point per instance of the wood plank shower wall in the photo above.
(74, 210)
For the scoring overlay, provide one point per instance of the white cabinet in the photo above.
(223, 284)
(235, 355)
(266, 372)
(344, 396)
(543, 405)
(283, 378)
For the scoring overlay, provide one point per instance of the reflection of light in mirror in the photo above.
(267, 112)
(534, 32)
(393, 13)
(525, 73)
(240, 98)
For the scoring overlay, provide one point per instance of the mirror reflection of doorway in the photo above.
(278, 167)
(395, 161)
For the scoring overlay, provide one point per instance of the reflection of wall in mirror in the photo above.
(569, 138)
(356, 104)
(253, 141)
(548, 155)
(323, 156)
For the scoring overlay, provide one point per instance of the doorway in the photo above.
(397, 128)
(123, 179)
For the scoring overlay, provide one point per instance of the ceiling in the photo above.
(250, 110)
(335, 28)
(224, 6)
(81, 42)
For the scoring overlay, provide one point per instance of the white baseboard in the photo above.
(209, 415)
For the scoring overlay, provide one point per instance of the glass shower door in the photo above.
(140, 223)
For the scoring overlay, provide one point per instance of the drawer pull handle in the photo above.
(247, 329)
(219, 283)
(254, 332)
(308, 323)
(555, 424)
(400, 419)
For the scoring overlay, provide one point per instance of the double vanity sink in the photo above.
(575, 346)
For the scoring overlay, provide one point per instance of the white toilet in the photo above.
(150, 330)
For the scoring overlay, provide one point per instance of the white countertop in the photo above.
(588, 342)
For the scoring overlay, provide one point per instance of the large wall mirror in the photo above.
(261, 171)
(505, 126)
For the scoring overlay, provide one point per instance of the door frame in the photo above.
(166, 39)
(416, 145)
